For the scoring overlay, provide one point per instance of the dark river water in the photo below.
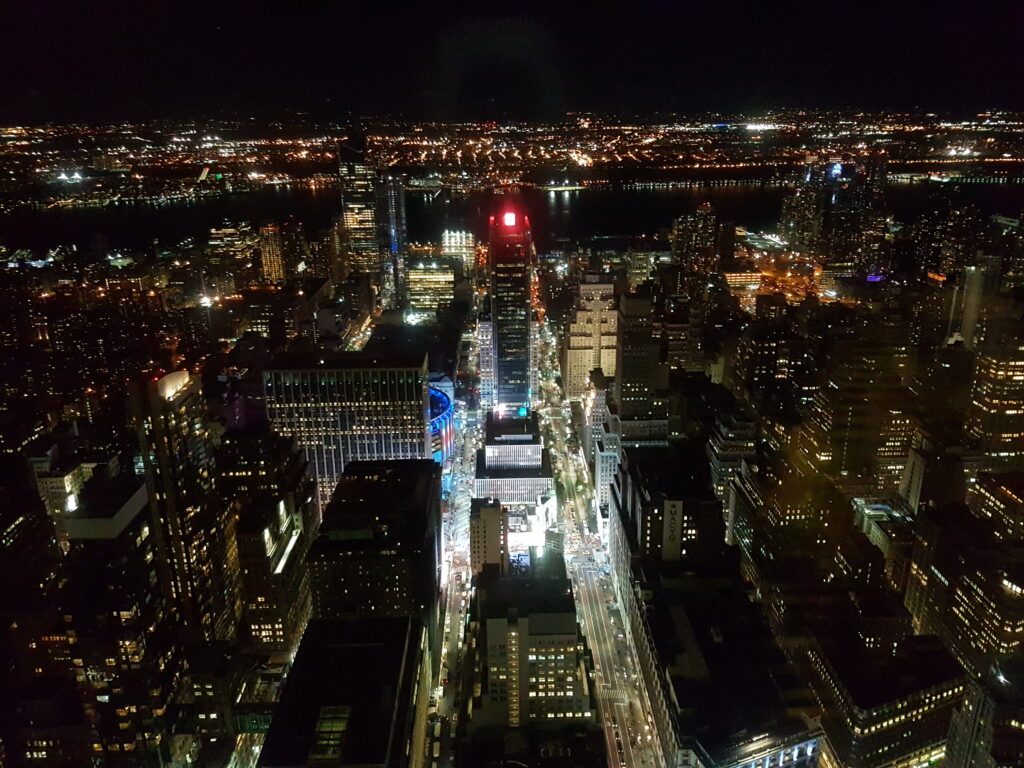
(554, 215)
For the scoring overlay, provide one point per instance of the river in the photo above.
(554, 215)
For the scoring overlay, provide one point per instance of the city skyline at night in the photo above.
(555, 387)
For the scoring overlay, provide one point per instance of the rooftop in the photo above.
(346, 699)
(347, 361)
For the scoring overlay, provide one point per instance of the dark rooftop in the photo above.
(303, 360)
(875, 679)
(542, 592)
(679, 471)
(346, 700)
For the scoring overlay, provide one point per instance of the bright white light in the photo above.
(761, 127)
(206, 301)
(509, 219)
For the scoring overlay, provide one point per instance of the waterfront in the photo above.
(555, 215)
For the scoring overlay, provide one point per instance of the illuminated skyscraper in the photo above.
(271, 254)
(394, 240)
(430, 285)
(267, 477)
(592, 336)
(359, 208)
(511, 261)
(695, 238)
(350, 406)
(456, 242)
(194, 533)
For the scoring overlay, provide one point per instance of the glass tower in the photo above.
(511, 262)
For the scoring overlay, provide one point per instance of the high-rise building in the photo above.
(513, 466)
(511, 262)
(271, 254)
(195, 534)
(266, 477)
(858, 419)
(882, 708)
(591, 336)
(732, 442)
(460, 243)
(642, 417)
(127, 658)
(359, 208)
(430, 285)
(350, 406)
(995, 415)
(667, 505)
(694, 239)
(532, 669)
(379, 548)
(392, 232)
(488, 535)
(986, 730)
(999, 497)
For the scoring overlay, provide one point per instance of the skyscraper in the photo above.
(695, 239)
(392, 232)
(592, 336)
(194, 533)
(128, 661)
(271, 254)
(359, 208)
(995, 415)
(350, 406)
(457, 242)
(267, 476)
(642, 418)
(511, 261)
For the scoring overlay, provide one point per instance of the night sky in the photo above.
(72, 59)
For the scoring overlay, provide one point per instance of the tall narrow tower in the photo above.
(359, 208)
(511, 260)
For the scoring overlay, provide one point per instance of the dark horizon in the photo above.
(162, 59)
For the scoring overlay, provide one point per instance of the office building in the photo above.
(532, 659)
(732, 442)
(430, 286)
(857, 423)
(995, 414)
(61, 473)
(392, 232)
(986, 730)
(271, 255)
(127, 656)
(642, 417)
(512, 263)
(194, 531)
(667, 506)
(350, 407)
(513, 466)
(266, 477)
(999, 497)
(884, 709)
(378, 552)
(359, 209)
(591, 336)
(462, 244)
(488, 535)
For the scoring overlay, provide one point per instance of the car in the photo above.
(437, 749)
